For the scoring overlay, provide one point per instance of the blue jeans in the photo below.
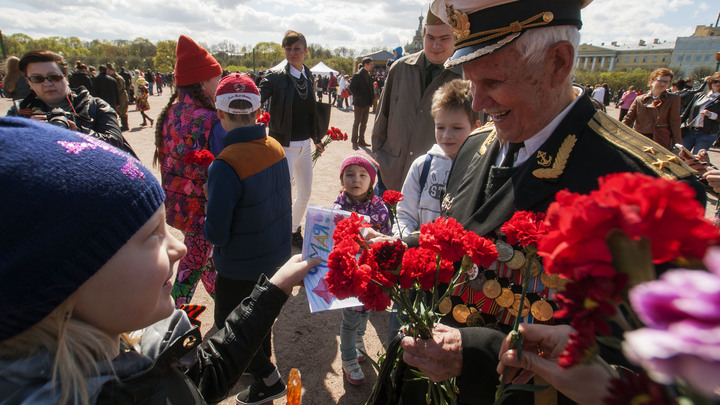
(694, 140)
(352, 327)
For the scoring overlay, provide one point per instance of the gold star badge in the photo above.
(650, 149)
(673, 159)
(661, 164)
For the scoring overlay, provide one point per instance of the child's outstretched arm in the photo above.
(224, 357)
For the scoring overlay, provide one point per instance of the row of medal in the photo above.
(506, 295)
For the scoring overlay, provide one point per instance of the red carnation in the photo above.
(444, 236)
(421, 264)
(344, 280)
(580, 349)
(389, 255)
(392, 197)
(482, 251)
(349, 229)
(201, 157)
(525, 228)
(264, 118)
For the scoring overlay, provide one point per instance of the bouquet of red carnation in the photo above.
(608, 239)
(263, 119)
(412, 278)
(333, 134)
(201, 157)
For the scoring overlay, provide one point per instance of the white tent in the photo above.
(323, 69)
(279, 66)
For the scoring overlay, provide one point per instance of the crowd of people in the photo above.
(459, 127)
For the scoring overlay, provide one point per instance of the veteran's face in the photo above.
(514, 94)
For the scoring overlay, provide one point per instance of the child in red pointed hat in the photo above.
(183, 134)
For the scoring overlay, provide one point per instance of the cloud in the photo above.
(330, 23)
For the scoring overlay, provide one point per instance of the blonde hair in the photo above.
(77, 347)
(13, 73)
(454, 95)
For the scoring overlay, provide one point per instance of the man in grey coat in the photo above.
(404, 128)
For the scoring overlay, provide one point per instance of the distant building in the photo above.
(616, 57)
(417, 43)
(697, 50)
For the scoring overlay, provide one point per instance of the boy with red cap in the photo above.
(249, 217)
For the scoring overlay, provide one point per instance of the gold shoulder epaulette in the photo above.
(660, 160)
(489, 130)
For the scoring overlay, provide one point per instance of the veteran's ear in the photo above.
(561, 55)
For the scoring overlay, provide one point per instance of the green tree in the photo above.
(141, 48)
(165, 56)
(701, 72)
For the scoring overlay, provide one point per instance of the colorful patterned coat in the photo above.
(186, 129)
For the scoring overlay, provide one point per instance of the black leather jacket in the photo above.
(93, 116)
(220, 361)
(278, 87)
(693, 109)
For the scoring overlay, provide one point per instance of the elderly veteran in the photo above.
(547, 136)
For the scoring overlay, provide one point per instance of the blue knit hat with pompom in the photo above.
(69, 203)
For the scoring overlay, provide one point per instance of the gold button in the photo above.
(189, 341)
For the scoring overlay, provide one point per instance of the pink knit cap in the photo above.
(363, 160)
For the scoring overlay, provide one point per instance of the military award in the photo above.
(461, 313)
(542, 310)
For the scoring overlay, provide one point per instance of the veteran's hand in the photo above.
(542, 344)
(439, 358)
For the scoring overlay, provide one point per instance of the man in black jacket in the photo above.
(362, 90)
(105, 87)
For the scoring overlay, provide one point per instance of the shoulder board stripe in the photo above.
(658, 159)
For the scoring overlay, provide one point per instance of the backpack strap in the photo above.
(425, 170)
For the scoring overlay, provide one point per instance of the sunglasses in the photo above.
(53, 77)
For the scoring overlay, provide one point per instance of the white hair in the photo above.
(534, 42)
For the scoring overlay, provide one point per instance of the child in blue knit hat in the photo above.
(87, 257)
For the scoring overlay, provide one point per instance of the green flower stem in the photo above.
(515, 337)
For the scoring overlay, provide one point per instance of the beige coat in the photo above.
(404, 128)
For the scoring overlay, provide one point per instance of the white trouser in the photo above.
(299, 158)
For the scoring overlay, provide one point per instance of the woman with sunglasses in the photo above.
(50, 93)
(700, 118)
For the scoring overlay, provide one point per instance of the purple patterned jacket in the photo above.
(375, 209)
(186, 128)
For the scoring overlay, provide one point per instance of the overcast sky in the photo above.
(331, 23)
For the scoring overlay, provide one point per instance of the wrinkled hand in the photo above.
(293, 272)
(713, 179)
(542, 344)
(439, 358)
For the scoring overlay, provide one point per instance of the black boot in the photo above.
(297, 238)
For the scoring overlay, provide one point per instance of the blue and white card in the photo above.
(320, 224)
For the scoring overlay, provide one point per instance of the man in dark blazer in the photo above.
(361, 89)
(546, 136)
